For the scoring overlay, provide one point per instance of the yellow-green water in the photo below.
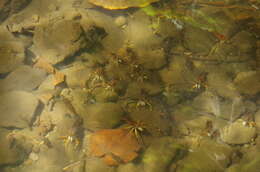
(170, 87)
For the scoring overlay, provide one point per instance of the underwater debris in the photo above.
(58, 76)
(115, 146)
(42, 64)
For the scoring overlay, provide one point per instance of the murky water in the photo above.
(129, 86)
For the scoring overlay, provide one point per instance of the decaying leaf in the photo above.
(42, 64)
(58, 78)
(109, 159)
(114, 145)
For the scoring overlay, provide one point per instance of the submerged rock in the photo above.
(221, 83)
(47, 84)
(23, 78)
(177, 73)
(102, 116)
(209, 103)
(105, 95)
(198, 41)
(8, 7)
(250, 162)
(210, 156)
(154, 59)
(17, 109)
(76, 75)
(11, 55)
(8, 154)
(258, 55)
(159, 155)
(50, 160)
(155, 121)
(129, 167)
(257, 120)
(57, 40)
(252, 166)
(238, 133)
(240, 48)
(139, 33)
(248, 82)
(120, 21)
(97, 165)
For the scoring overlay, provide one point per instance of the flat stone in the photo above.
(8, 154)
(11, 55)
(175, 73)
(238, 133)
(222, 84)
(159, 155)
(209, 156)
(210, 103)
(105, 95)
(240, 48)
(95, 116)
(129, 167)
(225, 25)
(153, 59)
(55, 158)
(97, 165)
(8, 7)
(50, 42)
(250, 161)
(23, 78)
(248, 82)
(138, 32)
(47, 84)
(155, 124)
(77, 75)
(120, 21)
(102, 116)
(258, 55)
(78, 98)
(197, 40)
(17, 109)
(257, 120)
(4, 11)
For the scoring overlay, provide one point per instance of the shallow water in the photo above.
(173, 86)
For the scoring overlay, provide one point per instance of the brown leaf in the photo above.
(110, 160)
(119, 142)
(42, 64)
(58, 78)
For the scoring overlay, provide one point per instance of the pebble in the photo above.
(238, 133)
(18, 109)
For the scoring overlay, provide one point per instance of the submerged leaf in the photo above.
(42, 64)
(114, 145)
(58, 78)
